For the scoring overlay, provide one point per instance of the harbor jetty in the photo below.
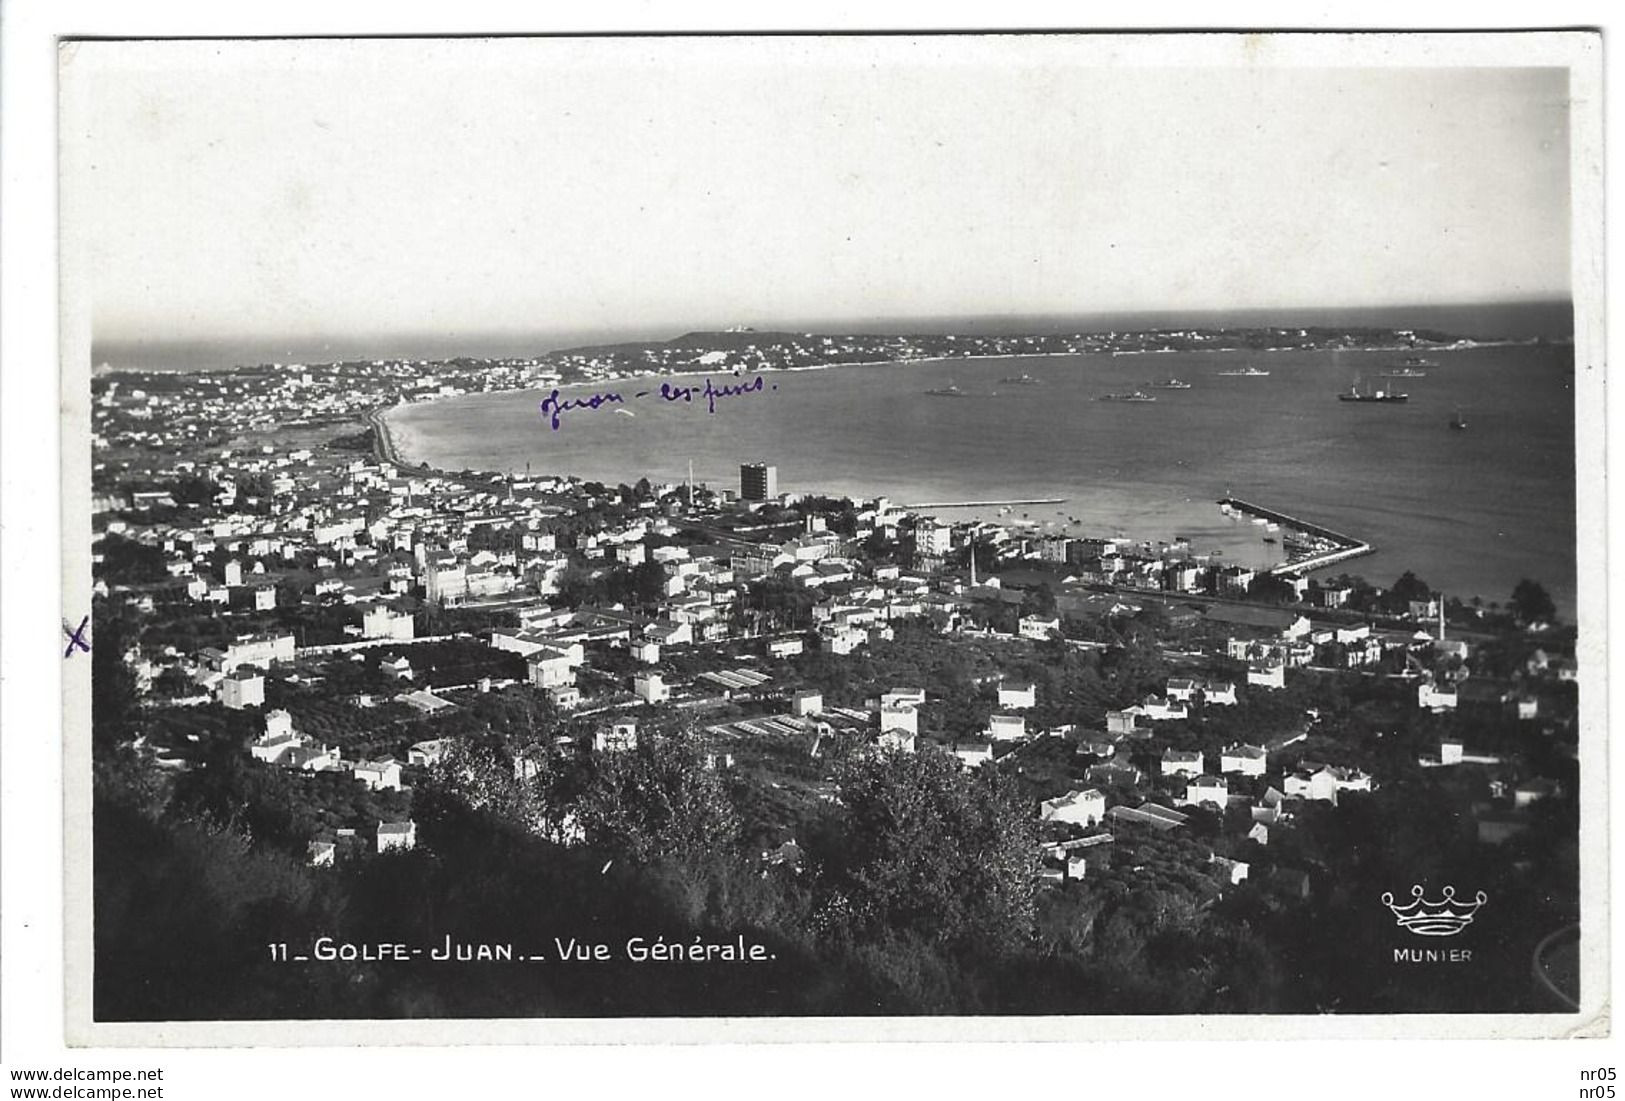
(989, 504)
(1341, 547)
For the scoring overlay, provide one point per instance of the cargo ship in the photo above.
(1245, 372)
(1136, 395)
(1171, 384)
(1405, 372)
(1356, 394)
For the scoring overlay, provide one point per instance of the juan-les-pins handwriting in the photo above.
(553, 406)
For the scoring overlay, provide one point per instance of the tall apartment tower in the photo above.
(758, 481)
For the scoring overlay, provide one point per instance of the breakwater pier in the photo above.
(989, 504)
(1335, 546)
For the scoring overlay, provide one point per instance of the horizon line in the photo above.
(563, 338)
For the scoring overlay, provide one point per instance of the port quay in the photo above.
(1346, 546)
(987, 504)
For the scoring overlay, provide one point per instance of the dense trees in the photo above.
(926, 848)
(658, 800)
(641, 584)
(1531, 603)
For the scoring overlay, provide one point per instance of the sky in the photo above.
(475, 190)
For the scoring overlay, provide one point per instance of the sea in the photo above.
(1470, 512)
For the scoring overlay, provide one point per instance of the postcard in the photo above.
(689, 538)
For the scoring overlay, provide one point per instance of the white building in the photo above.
(397, 835)
(1207, 789)
(1164, 710)
(1319, 785)
(1018, 695)
(1434, 698)
(841, 641)
(430, 752)
(914, 697)
(447, 585)
(1037, 628)
(903, 717)
(550, 668)
(1083, 807)
(1181, 762)
(380, 775)
(784, 647)
(259, 650)
(650, 688)
(1125, 721)
(242, 689)
(973, 754)
(381, 621)
(933, 538)
(1006, 728)
(1182, 689)
(275, 748)
(1248, 760)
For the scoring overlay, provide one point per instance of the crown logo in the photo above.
(1444, 918)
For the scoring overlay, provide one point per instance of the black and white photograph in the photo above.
(1040, 532)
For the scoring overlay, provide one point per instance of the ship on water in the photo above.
(949, 391)
(1405, 372)
(1458, 422)
(1245, 372)
(1135, 395)
(1020, 380)
(1171, 384)
(1356, 393)
(1417, 361)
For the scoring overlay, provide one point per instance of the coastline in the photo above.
(383, 442)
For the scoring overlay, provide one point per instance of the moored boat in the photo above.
(1355, 393)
